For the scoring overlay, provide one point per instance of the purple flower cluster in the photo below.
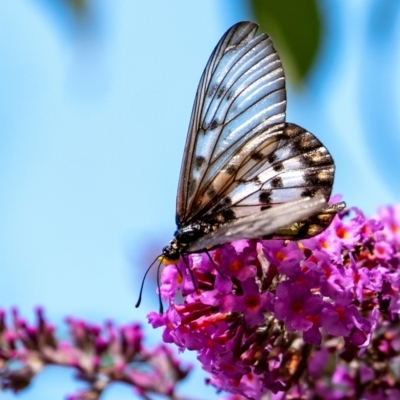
(100, 356)
(318, 318)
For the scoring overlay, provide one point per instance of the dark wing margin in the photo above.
(241, 95)
(310, 226)
(262, 224)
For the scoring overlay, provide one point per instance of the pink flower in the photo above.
(296, 306)
(264, 310)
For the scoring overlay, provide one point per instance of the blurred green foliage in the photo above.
(80, 7)
(295, 28)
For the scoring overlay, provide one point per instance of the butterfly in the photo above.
(247, 173)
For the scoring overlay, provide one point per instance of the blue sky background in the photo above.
(92, 130)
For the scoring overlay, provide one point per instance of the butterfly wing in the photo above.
(266, 223)
(241, 158)
(270, 170)
(241, 96)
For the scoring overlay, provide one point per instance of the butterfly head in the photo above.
(183, 237)
(170, 254)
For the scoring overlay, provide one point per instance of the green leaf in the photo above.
(295, 28)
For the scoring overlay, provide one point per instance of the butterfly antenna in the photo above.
(144, 278)
(161, 308)
(214, 265)
(190, 272)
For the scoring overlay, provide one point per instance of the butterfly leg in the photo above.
(190, 272)
(213, 264)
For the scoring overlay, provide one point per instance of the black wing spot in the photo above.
(256, 156)
(211, 192)
(212, 90)
(214, 124)
(199, 161)
(228, 201)
(265, 197)
(223, 216)
(230, 169)
(277, 182)
(278, 167)
(228, 215)
(256, 180)
(221, 92)
(272, 158)
(308, 192)
(230, 95)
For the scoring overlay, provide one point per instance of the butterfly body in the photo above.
(183, 237)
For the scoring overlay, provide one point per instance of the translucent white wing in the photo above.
(241, 97)
(264, 223)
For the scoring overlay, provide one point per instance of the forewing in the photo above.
(262, 224)
(241, 96)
